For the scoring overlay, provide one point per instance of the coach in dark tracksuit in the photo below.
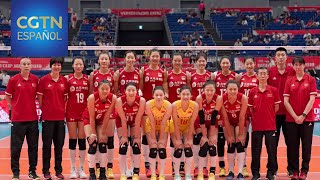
(299, 96)
(21, 95)
(52, 93)
(264, 103)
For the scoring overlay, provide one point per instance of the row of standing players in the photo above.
(201, 119)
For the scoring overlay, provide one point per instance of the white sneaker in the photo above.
(73, 173)
(82, 174)
(177, 177)
(129, 173)
(188, 177)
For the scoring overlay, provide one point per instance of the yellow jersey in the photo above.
(184, 117)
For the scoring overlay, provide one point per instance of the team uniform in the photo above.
(263, 124)
(152, 78)
(97, 77)
(100, 109)
(208, 108)
(197, 82)
(233, 115)
(299, 92)
(278, 81)
(221, 81)
(126, 77)
(77, 97)
(175, 82)
(158, 115)
(130, 112)
(233, 110)
(24, 118)
(53, 93)
(78, 92)
(184, 120)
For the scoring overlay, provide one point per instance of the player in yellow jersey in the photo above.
(184, 114)
(157, 128)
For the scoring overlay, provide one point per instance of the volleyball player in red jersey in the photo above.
(233, 112)
(78, 92)
(198, 78)
(221, 78)
(127, 74)
(177, 78)
(206, 128)
(151, 77)
(95, 118)
(104, 72)
(247, 81)
(130, 108)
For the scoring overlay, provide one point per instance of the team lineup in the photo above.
(195, 112)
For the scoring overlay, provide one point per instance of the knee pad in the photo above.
(204, 150)
(212, 151)
(188, 152)
(162, 153)
(231, 148)
(92, 148)
(110, 143)
(144, 140)
(103, 147)
(136, 149)
(197, 138)
(240, 147)
(153, 153)
(82, 144)
(171, 143)
(72, 144)
(177, 153)
(123, 149)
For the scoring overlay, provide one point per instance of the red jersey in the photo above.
(278, 81)
(99, 107)
(77, 97)
(299, 92)
(247, 83)
(23, 95)
(152, 78)
(130, 112)
(97, 77)
(126, 77)
(175, 82)
(263, 104)
(53, 97)
(233, 110)
(197, 82)
(208, 108)
(221, 81)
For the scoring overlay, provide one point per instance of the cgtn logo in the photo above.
(39, 28)
(33, 22)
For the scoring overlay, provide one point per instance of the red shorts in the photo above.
(86, 121)
(68, 119)
(119, 125)
(197, 123)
